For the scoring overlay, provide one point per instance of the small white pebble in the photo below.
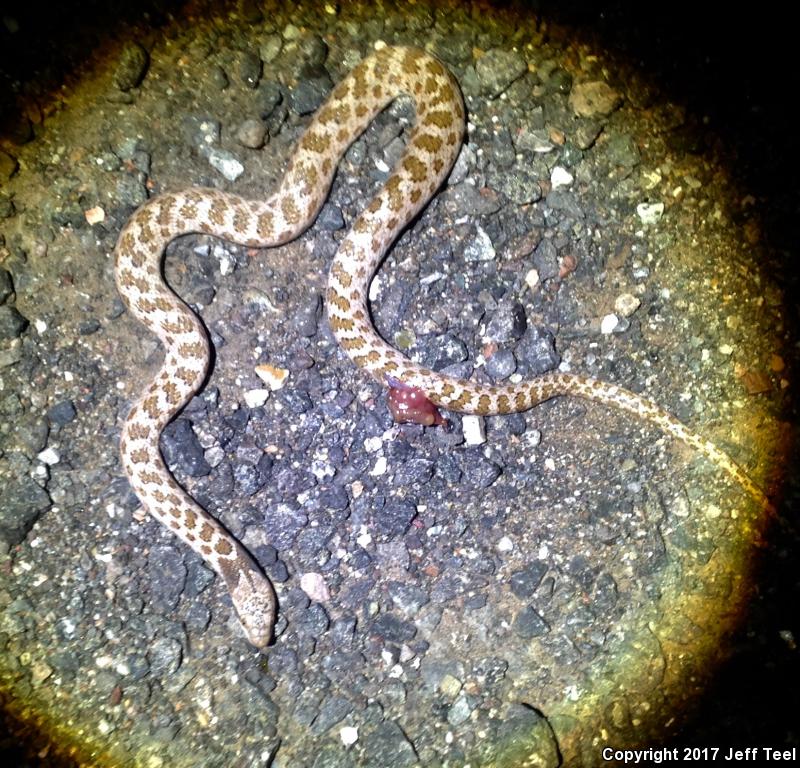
(650, 213)
(396, 671)
(505, 544)
(225, 163)
(713, 511)
(40, 472)
(560, 177)
(104, 727)
(122, 668)
(313, 584)
(380, 467)
(373, 444)
(431, 278)
(626, 304)
(226, 262)
(725, 349)
(532, 438)
(255, 398)
(543, 553)
(364, 539)
(474, 429)
(532, 278)
(550, 464)
(348, 735)
(49, 456)
(41, 326)
(608, 324)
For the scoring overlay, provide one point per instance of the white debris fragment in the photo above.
(255, 398)
(380, 467)
(650, 213)
(505, 544)
(474, 429)
(225, 163)
(608, 324)
(313, 584)
(626, 304)
(561, 177)
(49, 456)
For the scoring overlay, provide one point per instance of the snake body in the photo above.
(431, 150)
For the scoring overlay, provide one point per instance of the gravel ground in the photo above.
(531, 587)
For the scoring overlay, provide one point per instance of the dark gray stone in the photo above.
(132, 66)
(12, 323)
(395, 518)
(182, 449)
(393, 629)
(497, 69)
(524, 582)
(250, 69)
(529, 624)
(479, 471)
(332, 711)
(408, 597)
(21, 503)
(545, 259)
(62, 413)
(309, 95)
(284, 522)
(388, 745)
(313, 620)
(268, 97)
(306, 318)
(165, 656)
(501, 364)
(621, 150)
(167, 573)
(508, 323)
(536, 352)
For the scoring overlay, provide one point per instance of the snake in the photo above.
(416, 393)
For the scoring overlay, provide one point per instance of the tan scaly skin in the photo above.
(432, 148)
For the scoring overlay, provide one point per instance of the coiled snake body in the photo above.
(431, 150)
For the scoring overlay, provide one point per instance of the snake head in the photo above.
(410, 405)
